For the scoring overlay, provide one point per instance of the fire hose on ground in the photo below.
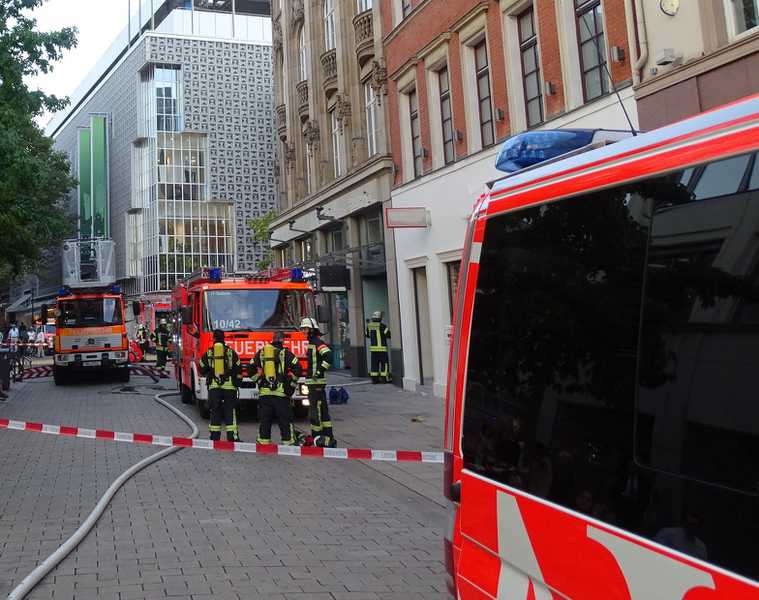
(52, 561)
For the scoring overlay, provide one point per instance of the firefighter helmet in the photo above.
(309, 323)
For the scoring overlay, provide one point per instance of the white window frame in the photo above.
(362, 5)
(370, 109)
(337, 160)
(330, 35)
(302, 54)
(732, 24)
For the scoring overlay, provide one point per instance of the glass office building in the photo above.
(171, 139)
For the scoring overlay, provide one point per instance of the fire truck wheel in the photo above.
(123, 375)
(185, 394)
(301, 412)
(205, 411)
(59, 376)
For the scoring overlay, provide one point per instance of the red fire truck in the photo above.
(248, 308)
(150, 311)
(602, 423)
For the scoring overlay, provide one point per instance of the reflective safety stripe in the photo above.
(214, 428)
(261, 440)
(323, 350)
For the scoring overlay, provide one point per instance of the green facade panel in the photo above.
(99, 135)
(85, 184)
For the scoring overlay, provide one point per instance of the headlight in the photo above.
(305, 402)
(304, 390)
(120, 354)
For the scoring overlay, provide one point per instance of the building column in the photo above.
(356, 300)
(394, 305)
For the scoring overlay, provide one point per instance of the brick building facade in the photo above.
(462, 77)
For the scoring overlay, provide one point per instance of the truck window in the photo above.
(610, 368)
(90, 312)
(256, 309)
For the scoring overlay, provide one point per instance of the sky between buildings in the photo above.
(99, 22)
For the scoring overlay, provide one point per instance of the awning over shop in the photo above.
(18, 304)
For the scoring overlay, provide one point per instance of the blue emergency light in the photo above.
(533, 147)
(115, 289)
(64, 291)
(296, 274)
(215, 274)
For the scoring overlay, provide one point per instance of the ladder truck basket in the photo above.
(88, 263)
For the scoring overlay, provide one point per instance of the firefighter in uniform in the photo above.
(275, 370)
(160, 338)
(378, 334)
(220, 366)
(142, 338)
(319, 362)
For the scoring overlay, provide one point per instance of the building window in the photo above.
(336, 149)
(482, 70)
(168, 87)
(305, 250)
(405, 7)
(416, 132)
(745, 14)
(446, 115)
(306, 170)
(329, 24)
(374, 234)
(452, 273)
(335, 240)
(362, 5)
(590, 26)
(302, 55)
(370, 105)
(528, 49)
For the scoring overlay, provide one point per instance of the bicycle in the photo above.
(20, 362)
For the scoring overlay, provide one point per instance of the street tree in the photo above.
(260, 228)
(34, 177)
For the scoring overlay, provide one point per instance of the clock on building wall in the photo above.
(669, 7)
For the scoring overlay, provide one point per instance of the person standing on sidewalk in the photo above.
(41, 339)
(220, 366)
(319, 362)
(378, 334)
(13, 334)
(161, 339)
(275, 370)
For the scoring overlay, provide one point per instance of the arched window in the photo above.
(302, 54)
(329, 24)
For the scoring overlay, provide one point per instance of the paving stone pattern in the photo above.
(201, 525)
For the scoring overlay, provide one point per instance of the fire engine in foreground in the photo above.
(602, 422)
(248, 308)
(90, 332)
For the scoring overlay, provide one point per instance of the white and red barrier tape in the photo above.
(224, 446)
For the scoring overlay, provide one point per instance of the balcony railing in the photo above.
(363, 24)
(301, 91)
(329, 64)
(281, 112)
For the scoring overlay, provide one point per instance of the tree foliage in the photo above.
(34, 177)
(260, 228)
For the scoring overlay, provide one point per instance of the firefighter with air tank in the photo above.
(221, 367)
(275, 370)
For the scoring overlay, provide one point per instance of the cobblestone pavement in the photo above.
(201, 525)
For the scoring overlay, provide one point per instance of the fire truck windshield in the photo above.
(89, 312)
(250, 310)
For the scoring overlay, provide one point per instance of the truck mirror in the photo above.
(186, 314)
(322, 313)
(136, 307)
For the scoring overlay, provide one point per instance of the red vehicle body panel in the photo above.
(506, 543)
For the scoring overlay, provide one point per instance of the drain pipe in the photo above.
(52, 561)
(636, 30)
